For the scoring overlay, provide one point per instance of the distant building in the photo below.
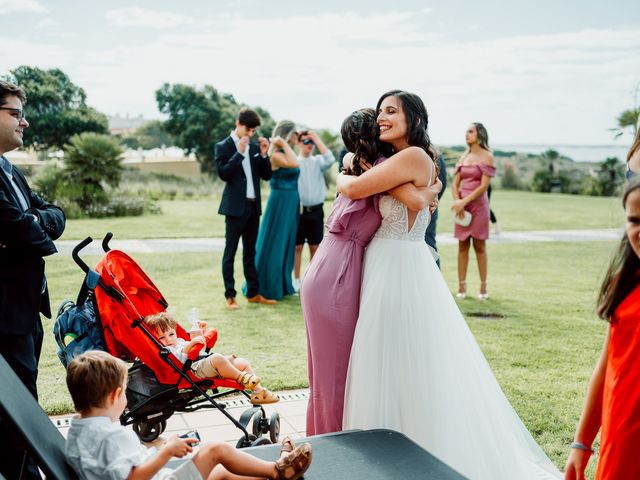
(119, 125)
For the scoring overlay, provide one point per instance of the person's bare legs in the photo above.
(312, 251)
(463, 263)
(237, 464)
(297, 261)
(480, 247)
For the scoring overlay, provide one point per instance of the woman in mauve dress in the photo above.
(330, 292)
(612, 404)
(471, 180)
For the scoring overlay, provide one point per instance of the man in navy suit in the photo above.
(241, 164)
(28, 226)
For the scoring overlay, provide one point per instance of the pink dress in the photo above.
(471, 175)
(330, 297)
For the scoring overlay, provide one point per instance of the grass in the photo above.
(542, 351)
(516, 210)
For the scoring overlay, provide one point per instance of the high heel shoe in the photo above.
(483, 296)
(462, 289)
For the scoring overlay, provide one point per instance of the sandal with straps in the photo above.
(248, 380)
(286, 445)
(293, 465)
(462, 287)
(263, 397)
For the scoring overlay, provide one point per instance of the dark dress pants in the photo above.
(22, 353)
(430, 233)
(245, 226)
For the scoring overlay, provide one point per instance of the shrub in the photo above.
(510, 180)
(92, 161)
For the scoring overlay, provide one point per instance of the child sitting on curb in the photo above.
(213, 366)
(98, 447)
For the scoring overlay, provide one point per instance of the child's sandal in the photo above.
(248, 380)
(287, 445)
(263, 397)
(293, 465)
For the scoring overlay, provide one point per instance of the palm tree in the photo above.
(629, 118)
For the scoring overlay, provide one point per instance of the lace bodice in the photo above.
(395, 219)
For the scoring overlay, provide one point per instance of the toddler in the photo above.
(98, 447)
(213, 366)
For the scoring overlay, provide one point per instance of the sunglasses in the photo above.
(307, 141)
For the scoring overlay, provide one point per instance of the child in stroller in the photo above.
(213, 366)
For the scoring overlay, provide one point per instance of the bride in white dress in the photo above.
(415, 366)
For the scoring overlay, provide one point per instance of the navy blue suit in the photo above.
(430, 234)
(242, 215)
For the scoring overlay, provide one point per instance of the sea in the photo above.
(578, 153)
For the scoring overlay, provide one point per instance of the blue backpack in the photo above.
(76, 328)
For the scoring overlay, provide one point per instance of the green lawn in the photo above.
(515, 211)
(542, 351)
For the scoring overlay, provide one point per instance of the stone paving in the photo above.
(217, 244)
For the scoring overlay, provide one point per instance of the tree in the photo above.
(510, 180)
(611, 176)
(91, 160)
(629, 118)
(550, 156)
(200, 118)
(197, 119)
(56, 108)
(150, 135)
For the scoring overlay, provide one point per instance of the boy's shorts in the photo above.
(204, 368)
(311, 226)
(186, 471)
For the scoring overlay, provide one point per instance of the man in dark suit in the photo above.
(241, 165)
(28, 226)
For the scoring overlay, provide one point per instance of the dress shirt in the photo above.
(246, 166)
(311, 185)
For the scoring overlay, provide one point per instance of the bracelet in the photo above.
(581, 446)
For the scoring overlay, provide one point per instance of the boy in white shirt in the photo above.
(98, 447)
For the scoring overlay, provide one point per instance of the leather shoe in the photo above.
(232, 304)
(260, 299)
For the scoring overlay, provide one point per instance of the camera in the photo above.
(192, 434)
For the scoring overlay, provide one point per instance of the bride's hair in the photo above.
(360, 136)
(417, 122)
(624, 271)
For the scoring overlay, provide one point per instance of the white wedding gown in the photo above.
(416, 368)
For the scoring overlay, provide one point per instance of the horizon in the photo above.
(553, 73)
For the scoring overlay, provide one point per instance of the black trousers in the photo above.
(245, 226)
(22, 353)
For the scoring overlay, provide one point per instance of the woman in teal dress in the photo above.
(276, 242)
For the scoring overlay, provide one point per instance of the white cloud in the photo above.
(144, 18)
(565, 88)
(13, 6)
(46, 23)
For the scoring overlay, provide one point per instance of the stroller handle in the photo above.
(105, 241)
(76, 256)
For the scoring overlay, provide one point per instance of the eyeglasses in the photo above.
(307, 141)
(19, 113)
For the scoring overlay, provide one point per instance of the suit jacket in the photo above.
(23, 244)
(229, 168)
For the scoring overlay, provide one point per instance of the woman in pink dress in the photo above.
(330, 292)
(471, 180)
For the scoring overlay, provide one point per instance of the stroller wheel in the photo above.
(259, 425)
(163, 426)
(274, 427)
(148, 432)
(260, 441)
(243, 442)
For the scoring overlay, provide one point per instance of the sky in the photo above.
(534, 72)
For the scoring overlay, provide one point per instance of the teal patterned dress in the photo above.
(276, 244)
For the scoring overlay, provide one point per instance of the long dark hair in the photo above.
(636, 145)
(624, 271)
(360, 136)
(417, 122)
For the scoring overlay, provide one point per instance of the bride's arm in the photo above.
(415, 198)
(408, 166)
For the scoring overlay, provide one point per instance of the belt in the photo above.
(252, 200)
(312, 208)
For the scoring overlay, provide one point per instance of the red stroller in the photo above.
(159, 384)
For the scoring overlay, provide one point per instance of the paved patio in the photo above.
(212, 425)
